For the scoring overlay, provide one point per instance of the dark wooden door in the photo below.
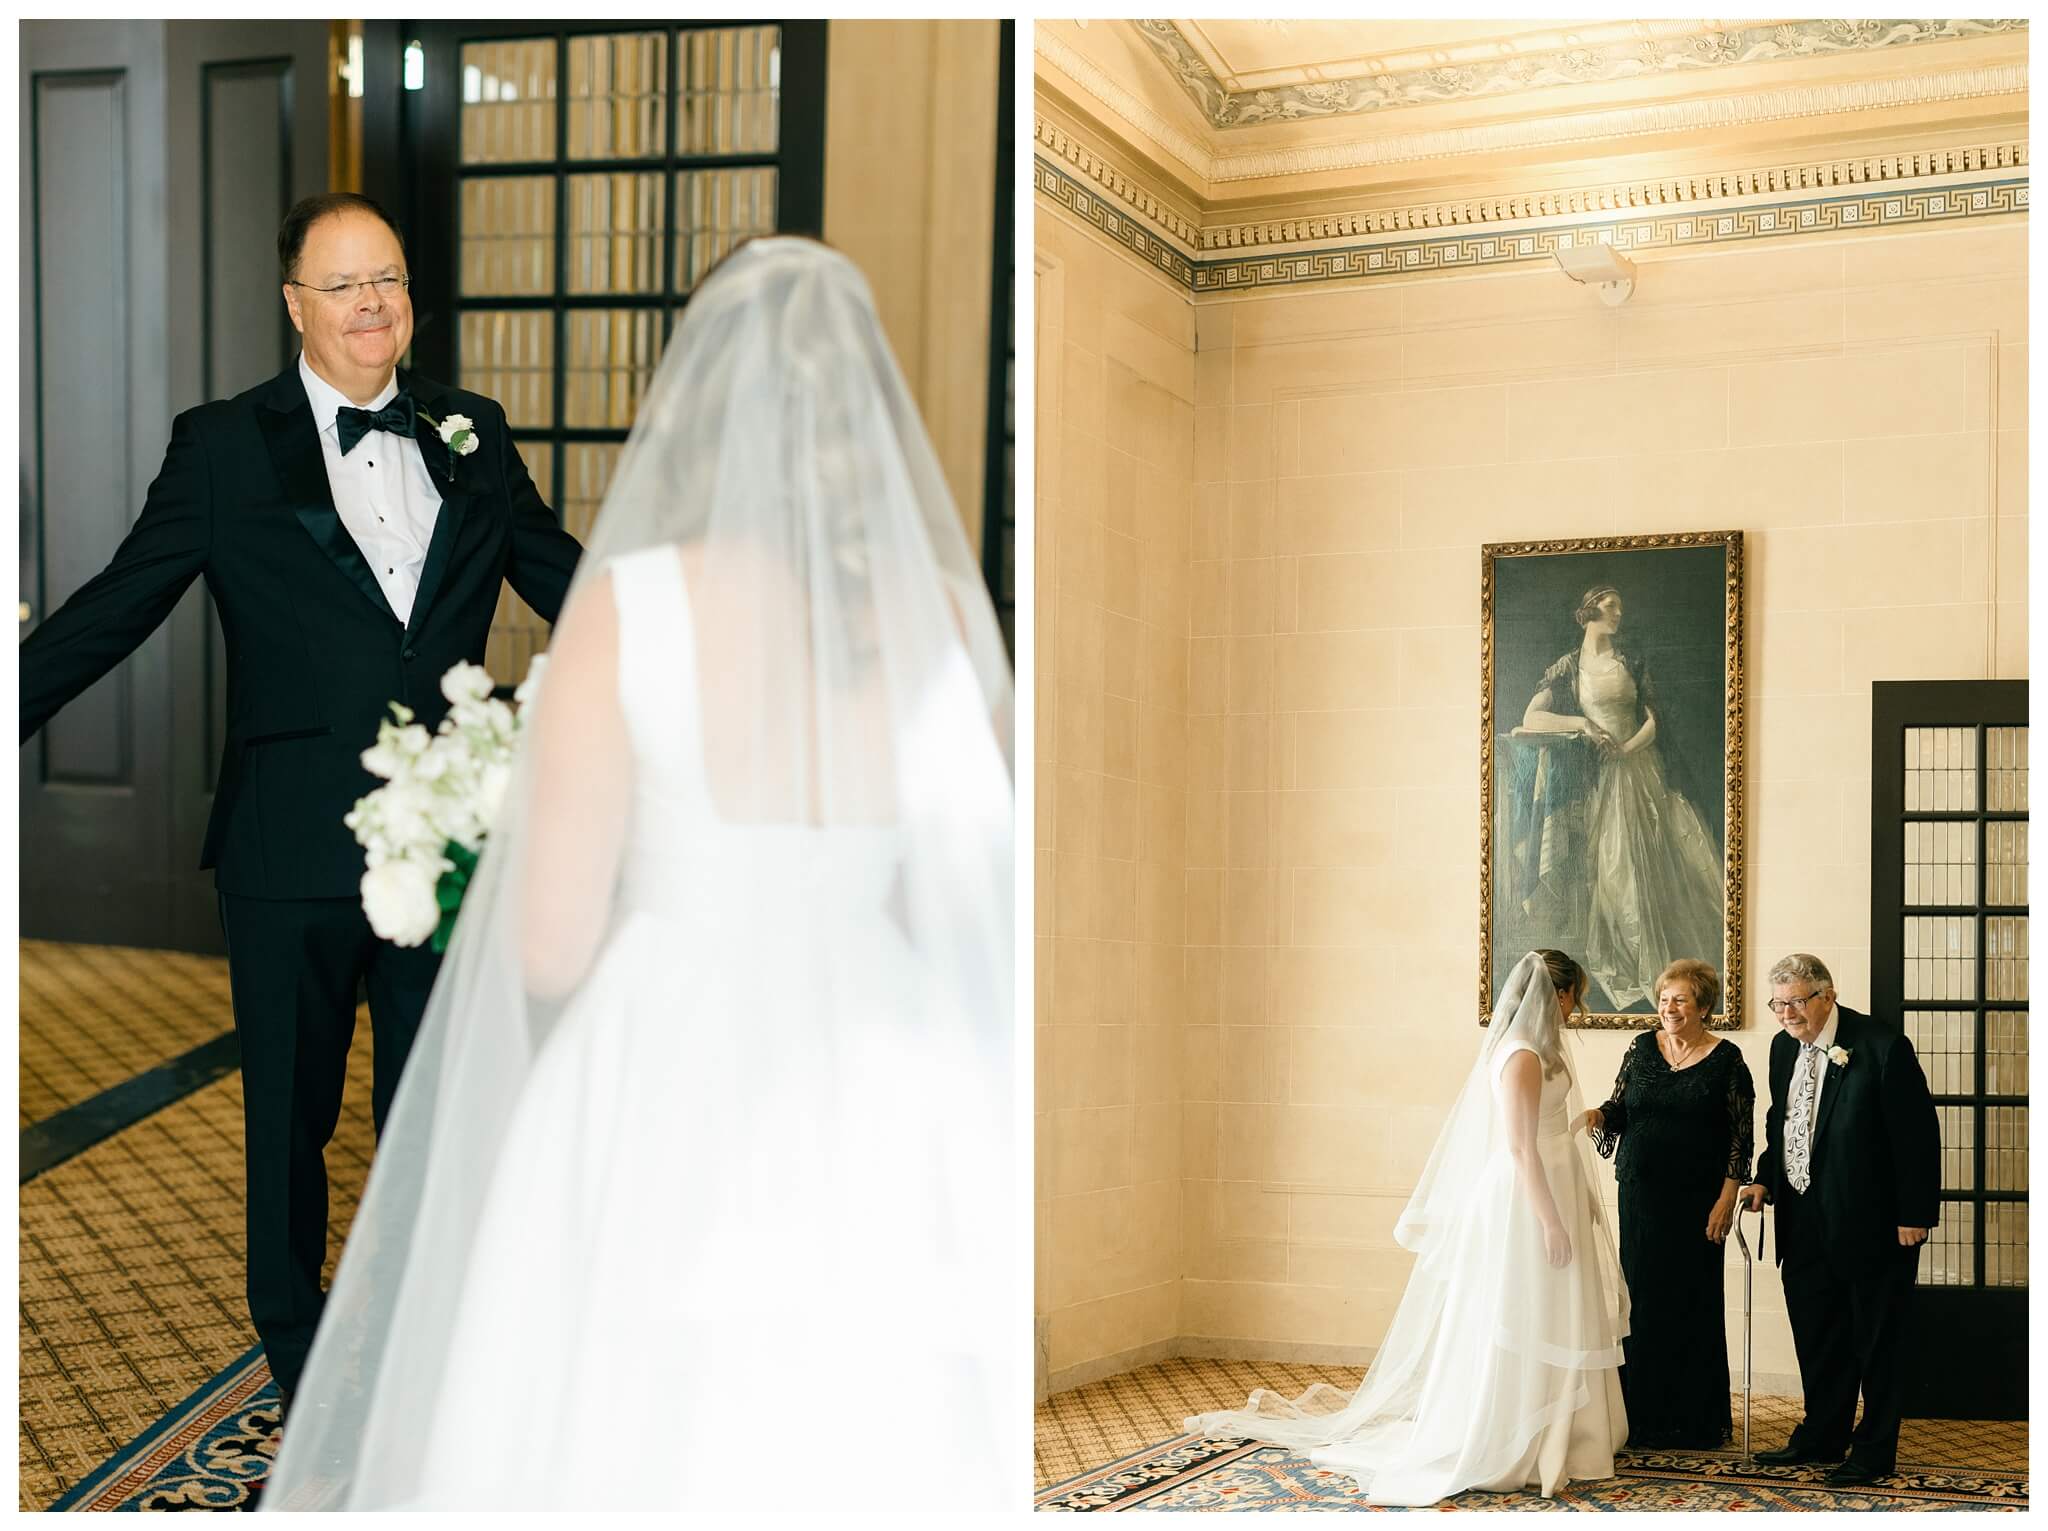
(1948, 951)
(159, 159)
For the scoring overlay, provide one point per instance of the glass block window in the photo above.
(1962, 978)
(597, 174)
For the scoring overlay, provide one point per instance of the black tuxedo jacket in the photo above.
(314, 652)
(1876, 1147)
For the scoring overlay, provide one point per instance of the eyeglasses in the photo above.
(387, 287)
(1787, 1006)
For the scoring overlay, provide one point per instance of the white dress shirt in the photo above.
(382, 489)
(1824, 1041)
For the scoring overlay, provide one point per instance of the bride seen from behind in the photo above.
(712, 1098)
(1498, 1369)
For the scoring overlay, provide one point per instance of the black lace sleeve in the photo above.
(1614, 1110)
(1741, 1120)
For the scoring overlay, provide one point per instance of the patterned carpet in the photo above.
(207, 1454)
(131, 1251)
(1116, 1445)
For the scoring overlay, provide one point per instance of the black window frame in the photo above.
(428, 130)
(1960, 1342)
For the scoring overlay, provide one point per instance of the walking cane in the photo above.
(1748, 1284)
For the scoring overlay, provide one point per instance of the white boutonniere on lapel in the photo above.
(1839, 1057)
(457, 433)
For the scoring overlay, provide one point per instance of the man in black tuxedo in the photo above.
(1852, 1162)
(354, 554)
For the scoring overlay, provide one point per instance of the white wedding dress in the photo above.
(704, 1152)
(1498, 1370)
(691, 1084)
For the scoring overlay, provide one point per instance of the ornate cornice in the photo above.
(1155, 129)
(1881, 195)
(1112, 221)
(1147, 209)
(1718, 189)
(1676, 117)
(1891, 209)
(1600, 54)
(1672, 117)
(1088, 166)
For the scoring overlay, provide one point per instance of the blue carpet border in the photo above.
(156, 1434)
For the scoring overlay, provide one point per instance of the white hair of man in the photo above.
(1801, 967)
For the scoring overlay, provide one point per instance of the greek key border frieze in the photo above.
(1111, 221)
(1448, 253)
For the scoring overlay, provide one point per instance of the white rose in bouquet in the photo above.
(490, 792)
(398, 897)
(426, 826)
(467, 682)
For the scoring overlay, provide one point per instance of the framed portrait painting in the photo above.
(1611, 763)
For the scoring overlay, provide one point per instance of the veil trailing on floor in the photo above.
(1416, 1406)
(745, 920)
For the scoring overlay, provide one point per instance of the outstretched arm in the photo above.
(581, 797)
(543, 554)
(1609, 1120)
(1521, 1099)
(115, 610)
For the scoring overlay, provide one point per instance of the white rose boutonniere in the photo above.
(1839, 1057)
(457, 433)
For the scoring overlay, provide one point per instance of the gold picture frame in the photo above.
(1552, 800)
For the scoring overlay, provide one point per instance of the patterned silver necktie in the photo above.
(1799, 1121)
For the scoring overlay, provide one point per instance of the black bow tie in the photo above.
(352, 425)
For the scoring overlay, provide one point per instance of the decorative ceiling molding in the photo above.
(1629, 122)
(1714, 190)
(1154, 132)
(1605, 54)
(1052, 181)
(1845, 195)
(1153, 128)
(1088, 166)
(1890, 210)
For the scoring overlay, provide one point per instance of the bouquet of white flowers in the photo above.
(424, 829)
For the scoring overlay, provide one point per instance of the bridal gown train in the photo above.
(1498, 1370)
(707, 1189)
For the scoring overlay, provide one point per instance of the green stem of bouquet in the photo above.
(448, 892)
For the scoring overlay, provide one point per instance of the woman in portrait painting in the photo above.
(1652, 875)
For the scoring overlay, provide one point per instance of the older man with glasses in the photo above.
(1852, 1163)
(356, 524)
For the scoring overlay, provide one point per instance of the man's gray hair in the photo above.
(1801, 967)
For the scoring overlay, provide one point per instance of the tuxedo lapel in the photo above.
(301, 467)
(455, 499)
(1831, 1096)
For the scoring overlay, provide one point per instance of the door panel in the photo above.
(1949, 958)
(161, 158)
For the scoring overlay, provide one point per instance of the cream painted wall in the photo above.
(910, 161)
(1858, 407)
(1115, 418)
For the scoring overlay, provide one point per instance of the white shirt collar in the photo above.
(326, 398)
(1826, 1039)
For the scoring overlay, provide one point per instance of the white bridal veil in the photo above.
(706, 1133)
(1485, 1348)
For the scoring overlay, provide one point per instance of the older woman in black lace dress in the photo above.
(1681, 1113)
